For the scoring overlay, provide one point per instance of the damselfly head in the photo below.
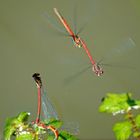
(97, 70)
(37, 79)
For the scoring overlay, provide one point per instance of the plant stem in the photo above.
(134, 126)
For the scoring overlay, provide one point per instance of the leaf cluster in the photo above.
(122, 104)
(22, 130)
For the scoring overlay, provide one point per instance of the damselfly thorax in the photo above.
(77, 41)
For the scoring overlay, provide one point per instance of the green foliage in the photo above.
(23, 116)
(18, 127)
(25, 137)
(64, 135)
(122, 103)
(137, 120)
(118, 103)
(136, 134)
(14, 124)
(122, 130)
(53, 122)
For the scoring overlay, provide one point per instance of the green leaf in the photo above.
(115, 103)
(53, 122)
(64, 135)
(122, 130)
(136, 134)
(50, 137)
(8, 132)
(138, 102)
(10, 127)
(25, 137)
(13, 123)
(137, 106)
(137, 120)
(23, 116)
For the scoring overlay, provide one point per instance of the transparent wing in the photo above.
(71, 127)
(47, 107)
(76, 75)
(127, 45)
(54, 24)
(49, 112)
(118, 66)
